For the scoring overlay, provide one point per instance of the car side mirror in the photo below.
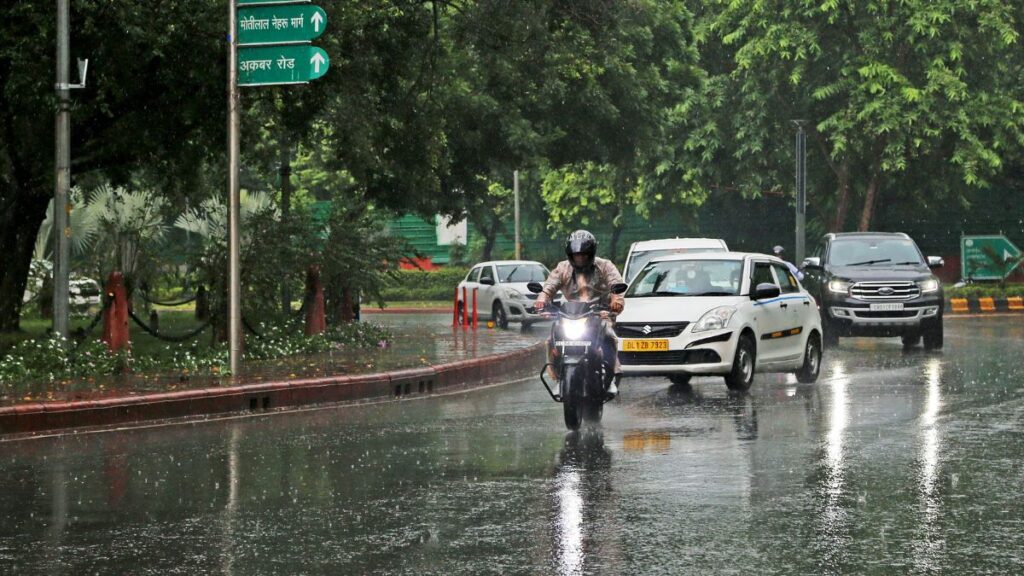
(487, 281)
(618, 288)
(936, 262)
(812, 263)
(766, 291)
(535, 287)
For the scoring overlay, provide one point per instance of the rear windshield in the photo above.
(874, 252)
(640, 259)
(688, 278)
(522, 273)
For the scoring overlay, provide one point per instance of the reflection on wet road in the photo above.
(893, 463)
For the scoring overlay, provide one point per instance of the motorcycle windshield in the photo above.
(575, 309)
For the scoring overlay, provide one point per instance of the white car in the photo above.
(728, 313)
(640, 253)
(501, 293)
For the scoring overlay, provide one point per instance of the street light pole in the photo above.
(62, 173)
(234, 283)
(515, 186)
(801, 191)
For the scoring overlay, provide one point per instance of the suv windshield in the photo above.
(873, 252)
(688, 278)
(640, 259)
(521, 273)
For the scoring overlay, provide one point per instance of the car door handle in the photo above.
(783, 305)
(806, 303)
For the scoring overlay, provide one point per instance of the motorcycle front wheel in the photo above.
(571, 399)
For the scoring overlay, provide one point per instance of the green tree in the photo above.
(905, 95)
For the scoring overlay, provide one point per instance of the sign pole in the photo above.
(515, 180)
(62, 169)
(234, 284)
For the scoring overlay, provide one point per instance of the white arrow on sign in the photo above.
(317, 21)
(316, 61)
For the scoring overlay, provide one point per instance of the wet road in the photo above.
(893, 463)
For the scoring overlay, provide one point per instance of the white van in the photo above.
(640, 253)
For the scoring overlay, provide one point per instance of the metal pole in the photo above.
(801, 191)
(234, 284)
(62, 173)
(515, 187)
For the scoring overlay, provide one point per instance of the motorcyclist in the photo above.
(778, 250)
(583, 276)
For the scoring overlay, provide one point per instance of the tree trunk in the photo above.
(842, 196)
(869, 204)
(19, 224)
(613, 246)
(490, 235)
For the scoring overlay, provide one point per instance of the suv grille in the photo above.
(650, 329)
(885, 290)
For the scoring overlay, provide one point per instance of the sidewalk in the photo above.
(427, 356)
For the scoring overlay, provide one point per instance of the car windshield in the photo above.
(521, 273)
(873, 252)
(688, 278)
(640, 259)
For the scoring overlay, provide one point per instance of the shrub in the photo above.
(423, 285)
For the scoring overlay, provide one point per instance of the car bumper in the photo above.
(702, 353)
(855, 317)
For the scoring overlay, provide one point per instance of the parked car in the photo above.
(640, 253)
(876, 284)
(501, 293)
(727, 313)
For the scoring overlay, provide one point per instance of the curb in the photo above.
(985, 305)
(35, 417)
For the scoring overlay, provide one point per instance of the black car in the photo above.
(876, 284)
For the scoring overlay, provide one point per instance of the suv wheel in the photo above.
(933, 335)
(742, 374)
(910, 340)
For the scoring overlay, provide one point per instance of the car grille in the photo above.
(908, 313)
(670, 357)
(650, 329)
(885, 290)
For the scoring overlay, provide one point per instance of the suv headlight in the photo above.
(715, 319)
(929, 285)
(839, 286)
(514, 294)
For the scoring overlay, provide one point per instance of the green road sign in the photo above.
(266, 65)
(285, 23)
(255, 2)
(988, 257)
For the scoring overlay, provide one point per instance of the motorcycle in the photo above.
(583, 374)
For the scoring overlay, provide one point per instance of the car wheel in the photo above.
(808, 373)
(911, 340)
(742, 374)
(460, 316)
(680, 379)
(933, 335)
(499, 316)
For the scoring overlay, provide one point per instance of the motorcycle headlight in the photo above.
(929, 285)
(839, 286)
(715, 319)
(574, 329)
(513, 294)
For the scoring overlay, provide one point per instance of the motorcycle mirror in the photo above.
(535, 287)
(618, 288)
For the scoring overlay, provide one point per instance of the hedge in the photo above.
(423, 285)
(984, 290)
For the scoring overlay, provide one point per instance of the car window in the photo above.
(639, 259)
(787, 283)
(522, 273)
(474, 275)
(487, 272)
(762, 274)
(688, 278)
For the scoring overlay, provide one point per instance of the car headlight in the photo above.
(929, 285)
(514, 294)
(839, 286)
(715, 319)
(574, 329)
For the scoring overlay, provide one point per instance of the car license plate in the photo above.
(645, 345)
(886, 307)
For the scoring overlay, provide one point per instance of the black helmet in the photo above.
(581, 242)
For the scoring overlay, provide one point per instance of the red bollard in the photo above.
(115, 315)
(455, 308)
(465, 309)
(316, 321)
(474, 307)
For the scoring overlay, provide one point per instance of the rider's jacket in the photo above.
(596, 282)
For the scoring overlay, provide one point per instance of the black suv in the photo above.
(876, 284)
